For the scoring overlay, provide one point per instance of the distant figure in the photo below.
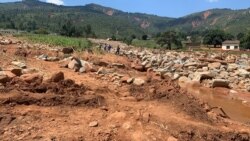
(105, 47)
(100, 46)
(117, 50)
(109, 48)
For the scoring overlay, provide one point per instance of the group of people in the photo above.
(108, 48)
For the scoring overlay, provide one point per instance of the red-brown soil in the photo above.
(61, 111)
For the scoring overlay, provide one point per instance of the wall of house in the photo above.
(232, 47)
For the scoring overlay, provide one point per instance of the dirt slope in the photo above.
(91, 107)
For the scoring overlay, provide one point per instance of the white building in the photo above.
(231, 45)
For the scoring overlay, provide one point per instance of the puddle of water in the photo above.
(220, 97)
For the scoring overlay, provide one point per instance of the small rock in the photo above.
(244, 73)
(244, 56)
(4, 78)
(215, 65)
(101, 71)
(183, 79)
(19, 64)
(172, 139)
(220, 83)
(32, 78)
(191, 64)
(146, 117)
(93, 124)
(67, 50)
(130, 80)
(43, 57)
(127, 125)
(232, 67)
(198, 76)
(86, 66)
(74, 64)
(82, 70)
(16, 71)
(57, 77)
(30, 70)
(118, 65)
(138, 81)
(53, 59)
(176, 76)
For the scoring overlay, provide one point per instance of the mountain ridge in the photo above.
(107, 21)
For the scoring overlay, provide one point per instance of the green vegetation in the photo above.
(145, 43)
(77, 43)
(87, 21)
(245, 41)
(170, 38)
(216, 37)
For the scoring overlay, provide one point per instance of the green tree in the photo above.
(240, 36)
(144, 37)
(245, 41)
(216, 37)
(113, 37)
(167, 39)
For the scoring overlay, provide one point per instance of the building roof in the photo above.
(231, 42)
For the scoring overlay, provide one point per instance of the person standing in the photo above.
(117, 50)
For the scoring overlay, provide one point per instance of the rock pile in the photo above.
(78, 65)
(219, 70)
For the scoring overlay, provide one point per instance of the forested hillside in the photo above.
(97, 21)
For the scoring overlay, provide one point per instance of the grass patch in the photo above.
(145, 43)
(56, 40)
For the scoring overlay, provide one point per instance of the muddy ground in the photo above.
(90, 107)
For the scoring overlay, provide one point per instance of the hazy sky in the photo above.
(169, 8)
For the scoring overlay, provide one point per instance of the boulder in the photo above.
(118, 65)
(244, 73)
(100, 63)
(101, 71)
(215, 65)
(199, 76)
(176, 76)
(130, 80)
(4, 79)
(67, 50)
(183, 79)
(85, 66)
(16, 71)
(43, 57)
(82, 70)
(52, 59)
(244, 56)
(193, 64)
(32, 78)
(220, 83)
(19, 64)
(93, 124)
(57, 77)
(139, 81)
(74, 64)
(232, 67)
(30, 70)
